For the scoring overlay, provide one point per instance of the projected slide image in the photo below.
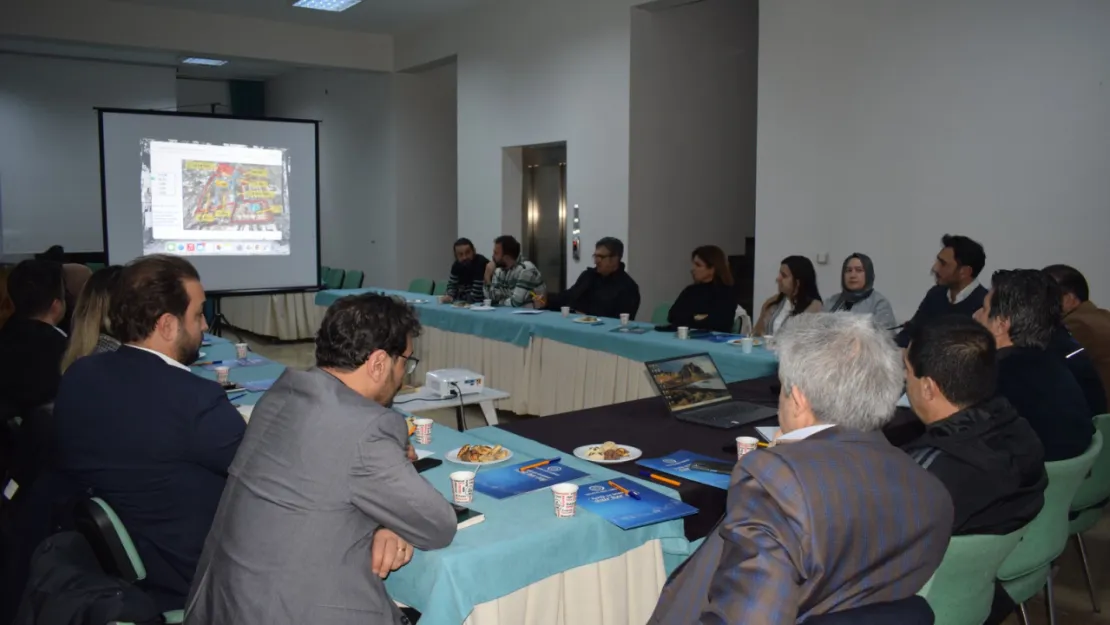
(203, 199)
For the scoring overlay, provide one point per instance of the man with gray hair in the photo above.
(831, 518)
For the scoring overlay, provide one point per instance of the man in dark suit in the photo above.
(1021, 311)
(957, 292)
(140, 430)
(31, 344)
(832, 517)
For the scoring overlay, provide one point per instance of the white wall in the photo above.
(693, 122)
(884, 124)
(197, 95)
(531, 72)
(50, 149)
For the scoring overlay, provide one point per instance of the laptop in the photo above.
(695, 392)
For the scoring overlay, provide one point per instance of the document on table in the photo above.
(678, 464)
(527, 311)
(627, 513)
(509, 481)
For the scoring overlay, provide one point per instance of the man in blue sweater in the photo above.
(958, 291)
(137, 428)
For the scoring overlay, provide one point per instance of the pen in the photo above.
(211, 362)
(631, 493)
(529, 467)
(659, 478)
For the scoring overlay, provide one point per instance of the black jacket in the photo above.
(1079, 363)
(713, 299)
(601, 296)
(936, 304)
(992, 464)
(30, 360)
(1041, 388)
(467, 279)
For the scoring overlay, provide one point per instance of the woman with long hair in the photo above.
(797, 285)
(857, 279)
(709, 303)
(90, 332)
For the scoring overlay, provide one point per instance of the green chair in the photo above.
(101, 527)
(659, 315)
(424, 286)
(1090, 500)
(440, 288)
(353, 279)
(324, 274)
(1029, 568)
(961, 589)
(334, 278)
(95, 267)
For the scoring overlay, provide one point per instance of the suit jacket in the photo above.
(1090, 325)
(836, 521)
(320, 470)
(30, 359)
(155, 442)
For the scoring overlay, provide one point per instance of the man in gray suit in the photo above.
(322, 500)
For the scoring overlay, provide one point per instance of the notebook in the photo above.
(467, 517)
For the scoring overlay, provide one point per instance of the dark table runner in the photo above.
(647, 424)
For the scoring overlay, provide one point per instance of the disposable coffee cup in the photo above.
(683, 332)
(222, 374)
(241, 350)
(746, 344)
(566, 499)
(745, 445)
(565, 310)
(624, 319)
(487, 303)
(423, 431)
(769, 341)
(462, 486)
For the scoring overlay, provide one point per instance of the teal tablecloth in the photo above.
(502, 325)
(521, 541)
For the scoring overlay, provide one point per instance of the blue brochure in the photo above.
(678, 465)
(717, 337)
(509, 481)
(627, 513)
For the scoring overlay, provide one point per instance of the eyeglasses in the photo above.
(602, 256)
(410, 364)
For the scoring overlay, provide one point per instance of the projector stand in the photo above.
(218, 318)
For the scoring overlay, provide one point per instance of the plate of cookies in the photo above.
(479, 454)
(608, 453)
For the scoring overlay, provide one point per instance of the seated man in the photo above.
(604, 290)
(1021, 311)
(976, 444)
(466, 281)
(958, 291)
(321, 476)
(1088, 324)
(511, 280)
(139, 429)
(1064, 346)
(31, 344)
(831, 518)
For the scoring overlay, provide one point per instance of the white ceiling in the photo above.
(375, 16)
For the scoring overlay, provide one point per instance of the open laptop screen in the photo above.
(689, 381)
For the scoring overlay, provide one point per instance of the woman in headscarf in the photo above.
(857, 278)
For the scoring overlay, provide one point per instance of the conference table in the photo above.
(522, 565)
(550, 364)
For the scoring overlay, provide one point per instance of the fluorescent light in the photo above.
(200, 61)
(334, 6)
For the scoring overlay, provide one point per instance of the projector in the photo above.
(445, 383)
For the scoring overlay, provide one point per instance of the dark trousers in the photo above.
(1002, 606)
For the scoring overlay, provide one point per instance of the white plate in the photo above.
(417, 301)
(453, 456)
(633, 454)
(740, 342)
(481, 308)
(587, 320)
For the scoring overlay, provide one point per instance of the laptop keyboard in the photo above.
(723, 415)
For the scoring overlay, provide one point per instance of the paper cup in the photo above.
(745, 445)
(423, 430)
(565, 310)
(624, 319)
(746, 344)
(462, 486)
(487, 303)
(683, 332)
(241, 350)
(566, 499)
(769, 341)
(221, 374)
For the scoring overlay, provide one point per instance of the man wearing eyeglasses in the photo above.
(321, 501)
(604, 290)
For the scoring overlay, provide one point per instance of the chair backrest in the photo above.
(100, 525)
(961, 589)
(353, 279)
(659, 315)
(440, 288)
(334, 278)
(1095, 489)
(1047, 533)
(424, 286)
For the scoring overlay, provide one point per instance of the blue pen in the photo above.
(631, 493)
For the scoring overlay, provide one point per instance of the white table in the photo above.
(422, 400)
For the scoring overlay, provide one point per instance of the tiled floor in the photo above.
(1073, 605)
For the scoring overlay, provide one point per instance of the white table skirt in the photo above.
(618, 591)
(289, 317)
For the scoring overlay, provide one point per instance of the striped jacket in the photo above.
(515, 286)
(839, 520)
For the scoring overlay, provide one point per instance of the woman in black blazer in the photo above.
(709, 303)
